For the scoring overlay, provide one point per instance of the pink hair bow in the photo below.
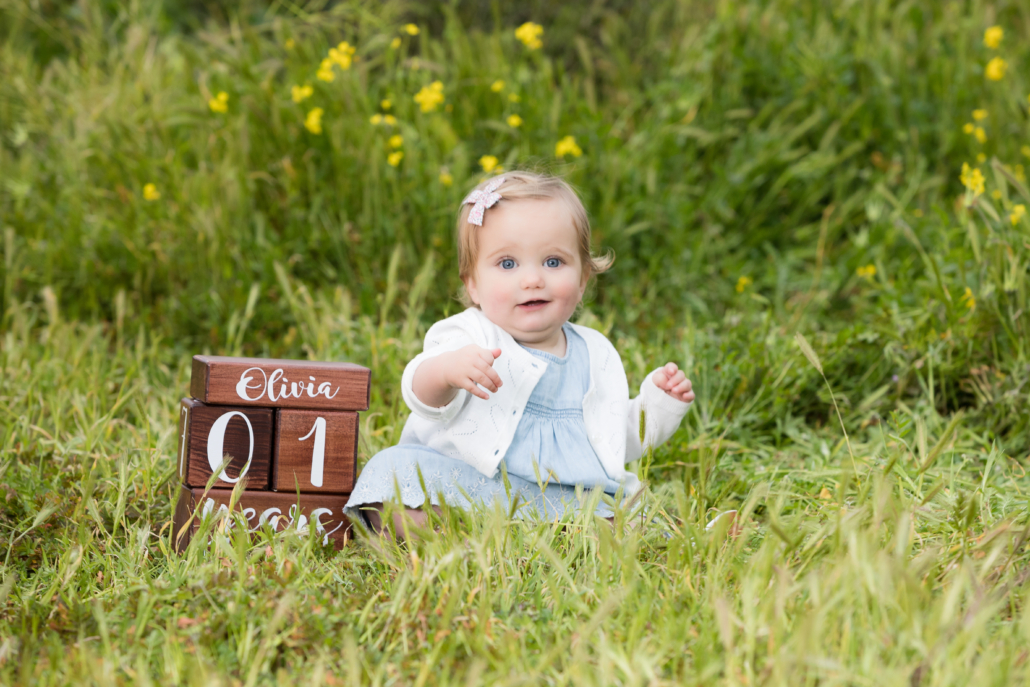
(481, 199)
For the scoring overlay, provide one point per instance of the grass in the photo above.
(761, 169)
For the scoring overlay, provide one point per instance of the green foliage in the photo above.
(761, 169)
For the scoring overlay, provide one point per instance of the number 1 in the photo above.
(318, 452)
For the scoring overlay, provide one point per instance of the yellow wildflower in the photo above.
(1025, 150)
(150, 192)
(743, 283)
(867, 271)
(313, 122)
(339, 58)
(395, 158)
(1020, 173)
(301, 93)
(376, 119)
(513, 97)
(396, 141)
(969, 300)
(410, 29)
(395, 43)
(995, 69)
(514, 121)
(488, 162)
(972, 179)
(497, 86)
(389, 120)
(529, 33)
(220, 103)
(981, 158)
(996, 194)
(993, 36)
(386, 103)
(980, 115)
(289, 44)
(980, 134)
(1018, 212)
(969, 128)
(430, 96)
(342, 54)
(445, 177)
(325, 71)
(567, 146)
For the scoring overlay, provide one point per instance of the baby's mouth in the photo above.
(533, 304)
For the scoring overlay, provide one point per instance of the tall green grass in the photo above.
(743, 159)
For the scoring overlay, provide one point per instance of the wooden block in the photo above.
(315, 451)
(208, 433)
(274, 383)
(324, 512)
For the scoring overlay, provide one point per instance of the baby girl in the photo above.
(510, 380)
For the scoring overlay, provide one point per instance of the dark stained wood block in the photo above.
(283, 511)
(315, 451)
(211, 432)
(271, 383)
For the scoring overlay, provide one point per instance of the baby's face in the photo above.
(528, 278)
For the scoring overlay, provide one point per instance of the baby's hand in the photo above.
(471, 368)
(672, 381)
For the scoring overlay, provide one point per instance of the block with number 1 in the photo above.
(315, 451)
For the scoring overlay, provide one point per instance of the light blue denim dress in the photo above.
(550, 433)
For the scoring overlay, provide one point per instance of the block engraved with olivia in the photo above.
(273, 383)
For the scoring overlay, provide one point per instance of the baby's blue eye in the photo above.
(553, 262)
(507, 264)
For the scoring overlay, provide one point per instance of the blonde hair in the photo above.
(528, 186)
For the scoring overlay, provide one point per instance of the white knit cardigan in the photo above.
(479, 431)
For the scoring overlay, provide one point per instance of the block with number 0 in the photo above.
(315, 451)
(209, 433)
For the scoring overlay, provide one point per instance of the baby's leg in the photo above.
(414, 516)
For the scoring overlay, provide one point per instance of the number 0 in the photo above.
(318, 452)
(216, 439)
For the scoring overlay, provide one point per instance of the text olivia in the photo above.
(287, 389)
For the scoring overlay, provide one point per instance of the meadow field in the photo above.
(816, 207)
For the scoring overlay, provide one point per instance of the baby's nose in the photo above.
(532, 277)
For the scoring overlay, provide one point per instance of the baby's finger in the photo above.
(677, 378)
(483, 380)
(471, 387)
(683, 385)
(488, 355)
(670, 368)
(489, 371)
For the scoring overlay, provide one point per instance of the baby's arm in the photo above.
(438, 379)
(665, 396)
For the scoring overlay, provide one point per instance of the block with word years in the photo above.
(274, 383)
(282, 512)
(315, 451)
(209, 433)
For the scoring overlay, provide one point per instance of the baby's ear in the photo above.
(471, 290)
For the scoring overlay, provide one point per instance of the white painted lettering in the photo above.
(244, 384)
(317, 451)
(287, 389)
(216, 441)
(271, 384)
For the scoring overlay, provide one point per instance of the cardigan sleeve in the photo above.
(662, 417)
(442, 337)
